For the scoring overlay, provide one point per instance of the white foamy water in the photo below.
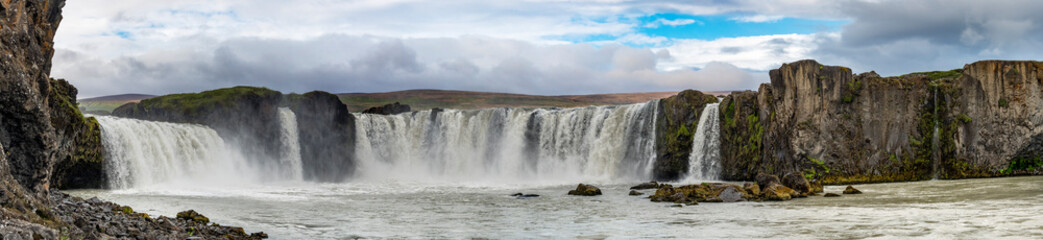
(999, 208)
(704, 163)
(508, 145)
(291, 154)
(146, 153)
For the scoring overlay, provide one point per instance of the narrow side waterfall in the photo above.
(704, 162)
(291, 145)
(599, 144)
(145, 153)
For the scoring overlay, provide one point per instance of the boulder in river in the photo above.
(851, 190)
(585, 190)
(797, 182)
(752, 189)
(831, 195)
(706, 192)
(765, 180)
(635, 193)
(777, 192)
(647, 185)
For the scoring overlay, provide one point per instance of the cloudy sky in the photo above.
(546, 47)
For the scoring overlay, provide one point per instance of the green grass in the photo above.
(935, 75)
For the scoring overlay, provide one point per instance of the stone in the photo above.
(777, 192)
(765, 180)
(752, 188)
(851, 190)
(797, 182)
(831, 195)
(635, 193)
(647, 185)
(192, 215)
(585, 190)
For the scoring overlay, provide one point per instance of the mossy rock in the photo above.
(192, 215)
(585, 190)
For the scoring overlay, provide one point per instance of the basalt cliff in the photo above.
(837, 127)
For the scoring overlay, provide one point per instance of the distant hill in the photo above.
(427, 99)
(107, 103)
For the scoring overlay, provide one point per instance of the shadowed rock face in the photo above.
(327, 136)
(676, 122)
(388, 109)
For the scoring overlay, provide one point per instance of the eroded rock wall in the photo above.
(676, 122)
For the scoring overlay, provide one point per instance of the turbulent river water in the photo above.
(449, 174)
(957, 209)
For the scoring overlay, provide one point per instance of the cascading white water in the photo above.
(291, 145)
(145, 153)
(704, 162)
(604, 143)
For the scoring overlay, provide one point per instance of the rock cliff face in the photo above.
(837, 127)
(676, 122)
(327, 136)
(388, 109)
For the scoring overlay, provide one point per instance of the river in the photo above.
(942, 209)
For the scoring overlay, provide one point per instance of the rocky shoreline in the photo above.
(77, 218)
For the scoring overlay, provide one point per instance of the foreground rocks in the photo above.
(585, 190)
(76, 218)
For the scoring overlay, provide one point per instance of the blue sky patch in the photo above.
(720, 26)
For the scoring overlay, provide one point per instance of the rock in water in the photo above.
(647, 185)
(765, 180)
(777, 192)
(635, 193)
(831, 195)
(517, 195)
(851, 190)
(585, 190)
(752, 189)
(797, 182)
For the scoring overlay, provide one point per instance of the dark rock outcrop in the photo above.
(585, 190)
(327, 136)
(764, 180)
(831, 195)
(676, 122)
(851, 190)
(388, 109)
(635, 193)
(797, 182)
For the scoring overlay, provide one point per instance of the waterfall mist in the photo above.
(153, 154)
(507, 145)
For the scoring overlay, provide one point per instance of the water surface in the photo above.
(957, 209)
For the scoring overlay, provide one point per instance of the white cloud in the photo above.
(757, 18)
(756, 53)
(672, 23)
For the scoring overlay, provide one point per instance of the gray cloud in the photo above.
(342, 63)
(896, 37)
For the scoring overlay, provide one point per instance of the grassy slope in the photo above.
(108, 103)
(427, 99)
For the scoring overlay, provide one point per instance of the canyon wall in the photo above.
(836, 127)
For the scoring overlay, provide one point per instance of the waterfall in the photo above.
(291, 145)
(704, 162)
(145, 153)
(598, 143)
